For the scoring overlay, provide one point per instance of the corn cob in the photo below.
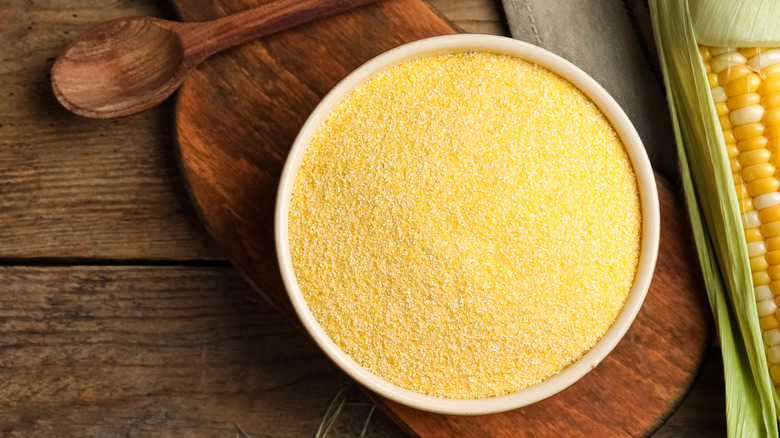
(745, 86)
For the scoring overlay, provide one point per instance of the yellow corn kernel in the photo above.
(773, 258)
(771, 116)
(725, 122)
(704, 51)
(722, 108)
(732, 150)
(746, 205)
(773, 243)
(770, 85)
(741, 188)
(772, 132)
(763, 185)
(755, 156)
(728, 136)
(770, 214)
(774, 272)
(771, 229)
(759, 263)
(743, 100)
(757, 172)
(746, 131)
(754, 235)
(775, 287)
(774, 373)
(712, 77)
(749, 52)
(771, 100)
(736, 166)
(733, 73)
(770, 70)
(749, 144)
(736, 178)
(744, 85)
(768, 322)
(773, 353)
(775, 160)
(761, 278)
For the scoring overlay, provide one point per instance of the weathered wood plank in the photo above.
(166, 351)
(170, 351)
(75, 187)
(473, 16)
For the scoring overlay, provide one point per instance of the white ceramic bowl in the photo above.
(649, 205)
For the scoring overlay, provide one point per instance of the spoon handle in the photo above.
(204, 39)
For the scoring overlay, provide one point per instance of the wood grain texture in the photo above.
(75, 187)
(171, 351)
(702, 413)
(473, 16)
(236, 118)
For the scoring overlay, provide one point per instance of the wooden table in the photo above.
(118, 314)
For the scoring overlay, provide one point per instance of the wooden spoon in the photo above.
(130, 64)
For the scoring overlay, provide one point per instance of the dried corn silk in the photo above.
(465, 225)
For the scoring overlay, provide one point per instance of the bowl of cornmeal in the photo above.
(467, 224)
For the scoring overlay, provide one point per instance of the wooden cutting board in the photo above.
(236, 117)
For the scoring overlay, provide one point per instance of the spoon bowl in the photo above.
(119, 65)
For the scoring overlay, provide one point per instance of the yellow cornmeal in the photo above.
(465, 225)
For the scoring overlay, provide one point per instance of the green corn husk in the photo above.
(679, 26)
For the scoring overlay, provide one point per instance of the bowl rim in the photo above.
(648, 201)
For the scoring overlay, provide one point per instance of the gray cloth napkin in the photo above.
(612, 41)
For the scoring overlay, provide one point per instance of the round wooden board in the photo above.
(236, 117)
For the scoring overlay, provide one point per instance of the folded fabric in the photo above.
(612, 41)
